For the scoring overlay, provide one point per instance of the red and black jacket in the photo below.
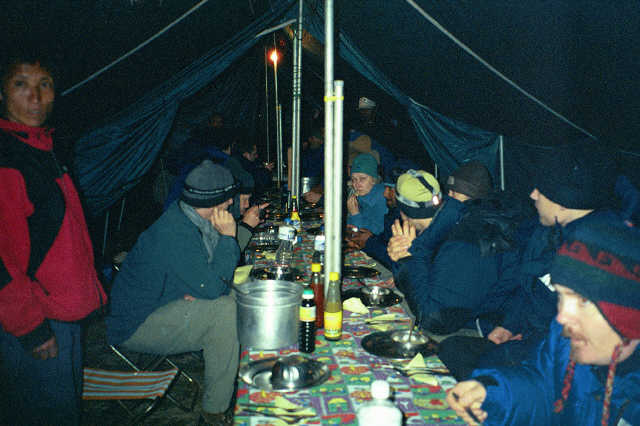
(46, 257)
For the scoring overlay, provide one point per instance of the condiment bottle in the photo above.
(284, 253)
(307, 332)
(379, 411)
(295, 216)
(318, 250)
(317, 285)
(333, 309)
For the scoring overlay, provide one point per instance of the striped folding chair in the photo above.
(119, 386)
(152, 365)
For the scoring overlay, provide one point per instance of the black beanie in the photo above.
(208, 185)
(580, 175)
(471, 179)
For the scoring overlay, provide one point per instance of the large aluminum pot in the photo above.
(268, 313)
(308, 183)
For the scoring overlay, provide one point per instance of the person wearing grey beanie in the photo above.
(172, 293)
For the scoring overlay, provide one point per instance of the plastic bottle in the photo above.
(317, 285)
(318, 250)
(379, 411)
(295, 215)
(333, 309)
(307, 332)
(284, 253)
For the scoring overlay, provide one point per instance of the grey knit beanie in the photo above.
(208, 185)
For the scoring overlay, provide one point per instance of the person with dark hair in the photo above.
(48, 282)
(172, 292)
(246, 153)
(587, 368)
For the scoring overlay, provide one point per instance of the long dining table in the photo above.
(352, 368)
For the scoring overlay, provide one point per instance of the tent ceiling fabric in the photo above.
(582, 58)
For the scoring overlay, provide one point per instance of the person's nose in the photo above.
(566, 311)
(34, 94)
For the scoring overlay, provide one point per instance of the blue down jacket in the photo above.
(462, 270)
(524, 395)
(376, 245)
(373, 207)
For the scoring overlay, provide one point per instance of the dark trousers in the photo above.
(37, 392)
(462, 354)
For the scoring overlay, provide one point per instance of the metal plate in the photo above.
(384, 344)
(390, 299)
(258, 374)
(358, 272)
(315, 231)
(263, 246)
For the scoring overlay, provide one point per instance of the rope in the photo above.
(134, 50)
(494, 70)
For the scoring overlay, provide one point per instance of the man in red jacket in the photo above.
(47, 276)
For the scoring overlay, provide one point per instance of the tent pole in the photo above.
(336, 213)
(266, 101)
(278, 128)
(106, 231)
(124, 200)
(297, 91)
(332, 194)
(501, 149)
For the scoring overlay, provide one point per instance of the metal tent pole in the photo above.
(501, 149)
(332, 194)
(336, 212)
(295, 128)
(266, 101)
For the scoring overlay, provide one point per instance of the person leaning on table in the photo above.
(587, 369)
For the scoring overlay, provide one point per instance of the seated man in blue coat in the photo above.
(452, 258)
(586, 371)
(574, 184)
(172, 292)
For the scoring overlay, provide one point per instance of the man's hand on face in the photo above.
(466, 398)
(500, 335)
(252, 216)
(48, 349)
(358, 239)
(223, 221)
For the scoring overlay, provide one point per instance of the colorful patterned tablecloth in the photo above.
(352, 371)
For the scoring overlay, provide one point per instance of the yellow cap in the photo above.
(334, 276)
(316, 267)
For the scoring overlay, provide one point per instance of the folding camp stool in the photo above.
(153, 364)
(99, 384)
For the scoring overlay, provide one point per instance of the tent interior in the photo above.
(136, 76)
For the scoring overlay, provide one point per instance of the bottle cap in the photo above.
(316, 267)
(307, 293)
(334, 276)
(380, 389)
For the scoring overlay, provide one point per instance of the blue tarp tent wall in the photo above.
(580, 59)
(113, 158)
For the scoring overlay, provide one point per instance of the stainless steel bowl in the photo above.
(291, 371)
(375, 294)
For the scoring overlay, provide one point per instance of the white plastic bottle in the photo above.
(379, 411)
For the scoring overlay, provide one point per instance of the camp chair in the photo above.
(99, 384)
(153, 364)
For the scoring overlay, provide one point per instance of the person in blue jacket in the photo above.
(574, 184)
(172, 292)
(376, 245)
(587, 369)
(367, 205)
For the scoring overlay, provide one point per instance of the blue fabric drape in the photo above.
(111, 160)
(448, 142)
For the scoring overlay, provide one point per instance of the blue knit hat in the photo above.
(579, 175)
(365, 163)
(208, 185)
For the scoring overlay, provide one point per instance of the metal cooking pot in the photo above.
(308, 183)
(268, 313)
